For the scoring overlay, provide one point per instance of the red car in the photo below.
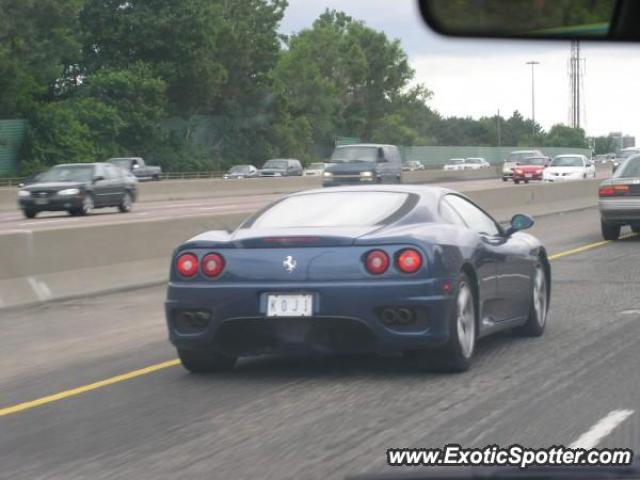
(530, 169)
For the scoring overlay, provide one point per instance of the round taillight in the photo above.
(212, 264)
(409, 261)
(377, 262)
(187, 265)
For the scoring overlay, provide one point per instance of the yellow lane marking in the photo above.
(587, 247)
(20, 407)
(87, 388)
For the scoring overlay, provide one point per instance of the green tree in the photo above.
(39, 49)
(565, 136)
(139, 100)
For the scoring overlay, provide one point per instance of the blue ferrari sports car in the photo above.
(417, 270)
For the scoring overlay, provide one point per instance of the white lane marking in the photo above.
(601, 429)
(40, 288)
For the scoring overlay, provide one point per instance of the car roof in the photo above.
(564, 155)
(422, 190)
(93, 164)
(365, 145)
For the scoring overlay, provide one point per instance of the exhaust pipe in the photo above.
(389, 316)
(404, 316)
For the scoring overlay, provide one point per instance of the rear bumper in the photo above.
(622, 211)
(346, 318)
(524, 177)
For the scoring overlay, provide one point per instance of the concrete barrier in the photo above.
(43, 265)
(214, 187)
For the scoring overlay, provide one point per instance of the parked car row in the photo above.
(466, 164)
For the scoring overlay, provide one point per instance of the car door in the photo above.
(101, 187)
(510, 260)
(487, 259)
(115, 185)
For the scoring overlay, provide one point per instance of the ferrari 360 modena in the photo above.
(387, 269)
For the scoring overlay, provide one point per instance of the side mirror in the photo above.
(520, 222)
(98, 179)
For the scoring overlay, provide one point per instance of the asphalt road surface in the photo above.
(280, 418)
(142, 211)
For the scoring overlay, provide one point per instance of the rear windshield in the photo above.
(316, 166)
(281, 164)
(455, 161)
(240, 169)
(534, 161)
(630, 169)
(519, 156)
(332, 209)
(628, 153)
(567, 162)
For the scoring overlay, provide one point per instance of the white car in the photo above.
(315, 169)
(455, 164)
(476, 163)
(564, 168)
(412, 166)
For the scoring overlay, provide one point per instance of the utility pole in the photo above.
(575, 78)
(533, 98)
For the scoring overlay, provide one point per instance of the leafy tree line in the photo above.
(98, 78)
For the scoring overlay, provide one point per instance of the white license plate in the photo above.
(290, 305)
(41, 201)
(528, 175)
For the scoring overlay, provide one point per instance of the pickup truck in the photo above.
(137, 167)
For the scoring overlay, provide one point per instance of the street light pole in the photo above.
(533, 98)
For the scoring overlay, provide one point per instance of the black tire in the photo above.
(504, 179)
(29, 213)
(538, 305)
(88, 204)
(126, 203)
(610, 231)
(517, 182)
(205, 361)
(156, 178)
(452, 357)
(527, 182)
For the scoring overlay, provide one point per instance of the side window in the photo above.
(449, 215)
(99, 171)
(475, 218)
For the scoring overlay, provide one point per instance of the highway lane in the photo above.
(157, 210)
(321, 418)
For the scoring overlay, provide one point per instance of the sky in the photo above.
(479, 77)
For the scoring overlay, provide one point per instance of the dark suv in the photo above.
(78, 189)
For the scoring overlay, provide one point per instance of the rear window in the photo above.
(455, 161)
(534, 161)
(630, 169)
(519, 156)
(333, 209)
(567, 162)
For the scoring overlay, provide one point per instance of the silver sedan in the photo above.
(620, 199)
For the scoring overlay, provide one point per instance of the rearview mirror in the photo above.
(520, 222)
(572, 19)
